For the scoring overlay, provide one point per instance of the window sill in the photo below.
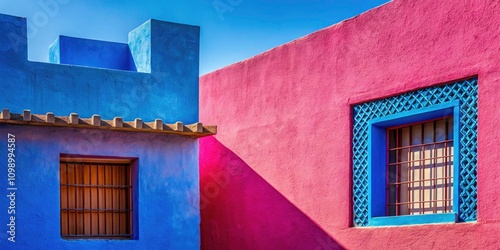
(404, 220)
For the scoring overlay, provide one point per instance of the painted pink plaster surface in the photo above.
(278, 174)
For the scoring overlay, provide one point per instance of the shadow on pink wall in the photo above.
(240, 210)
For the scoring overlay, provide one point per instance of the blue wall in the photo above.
(91, 53)
(165, 56)
(154, 76)
(167, 188)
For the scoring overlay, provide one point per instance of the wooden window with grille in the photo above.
(96, 199)
(420, 168)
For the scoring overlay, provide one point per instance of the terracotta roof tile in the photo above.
(95, 122)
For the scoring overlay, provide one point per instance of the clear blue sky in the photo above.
(231, 30)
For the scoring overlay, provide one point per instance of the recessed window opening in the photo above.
(420, 168)
(96, 199)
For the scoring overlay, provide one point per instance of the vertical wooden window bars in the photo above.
(420, 168)
(96, 199)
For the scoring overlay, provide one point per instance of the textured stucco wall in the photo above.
(278, 174)
(168, 89)
(165, 87)
(167, 190)
(91, 53)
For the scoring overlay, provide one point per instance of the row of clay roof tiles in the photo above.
(95, 122)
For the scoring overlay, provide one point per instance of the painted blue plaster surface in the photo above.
(166, 56)
(167, 192)
(91, 53)
(405, 220)
(165, 85)
(140, 47)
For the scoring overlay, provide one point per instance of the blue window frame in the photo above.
(377, 165)
(371, 119)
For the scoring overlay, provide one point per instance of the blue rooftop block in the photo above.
(154, 76)
(13, 39)
(156, 42)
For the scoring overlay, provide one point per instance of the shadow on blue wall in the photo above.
(241, 210)
(92, 53)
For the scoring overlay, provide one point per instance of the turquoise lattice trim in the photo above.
(463, 91)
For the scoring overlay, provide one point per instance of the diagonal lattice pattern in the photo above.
(466, 93)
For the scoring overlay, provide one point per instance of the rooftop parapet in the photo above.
(155, 75)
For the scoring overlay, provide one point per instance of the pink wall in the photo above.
(278, 174)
